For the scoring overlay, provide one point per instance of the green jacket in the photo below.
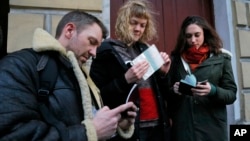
(202, 118)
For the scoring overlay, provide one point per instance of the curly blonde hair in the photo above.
(140, 9)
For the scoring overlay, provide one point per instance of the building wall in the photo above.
(224, 27)
(241, 12)
(26, 15)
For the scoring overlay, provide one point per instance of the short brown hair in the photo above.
(80, 19)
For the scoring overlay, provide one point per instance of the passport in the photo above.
(188, 83)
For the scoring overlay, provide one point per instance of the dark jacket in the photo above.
(203, 118)
(107, 71)
(20, 117)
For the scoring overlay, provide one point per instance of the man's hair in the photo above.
(81, 19)
(135, 8)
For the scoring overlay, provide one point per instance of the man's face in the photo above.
(85, 43)
(137, 27)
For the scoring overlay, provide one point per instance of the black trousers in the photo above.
(144, 134)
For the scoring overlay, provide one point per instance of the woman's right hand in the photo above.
(136, 72)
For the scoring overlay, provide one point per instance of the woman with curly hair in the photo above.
(115, 76)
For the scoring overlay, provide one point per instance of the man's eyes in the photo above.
(93, 42)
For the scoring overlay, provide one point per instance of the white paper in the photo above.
(153, 57)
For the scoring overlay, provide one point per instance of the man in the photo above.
(74, 110)
(115, 77)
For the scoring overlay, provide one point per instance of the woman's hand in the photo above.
(167, 62)
(201, 89)
(136, 72)
(176, 88)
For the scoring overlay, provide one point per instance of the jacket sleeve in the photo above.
(109, 76)
(226, 88)
(20, 118)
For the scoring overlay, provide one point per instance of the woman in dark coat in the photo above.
(115, 76)
(201, 116)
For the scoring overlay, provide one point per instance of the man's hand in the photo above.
(129, 119)
(106, 120)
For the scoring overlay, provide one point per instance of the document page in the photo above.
(153, 57)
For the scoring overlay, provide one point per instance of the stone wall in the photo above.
(27, 15)
(242, 40)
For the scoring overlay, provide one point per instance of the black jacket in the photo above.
(107, 71)
(20, 117)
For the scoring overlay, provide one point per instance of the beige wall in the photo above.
(95, 5)
(242, 40)
(26, 15)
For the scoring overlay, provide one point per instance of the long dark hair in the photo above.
(211, 38)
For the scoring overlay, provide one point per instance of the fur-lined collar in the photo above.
(43, 41)
(226, 52)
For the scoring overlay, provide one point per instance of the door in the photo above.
(170, 15)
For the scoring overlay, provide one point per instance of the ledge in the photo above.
(93, 5)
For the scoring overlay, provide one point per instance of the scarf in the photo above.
(194, 56)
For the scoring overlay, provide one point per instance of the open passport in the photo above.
(188, 83)
(153, 57)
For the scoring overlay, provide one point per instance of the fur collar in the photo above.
(223, 51)
(43, 41)
(226, 52)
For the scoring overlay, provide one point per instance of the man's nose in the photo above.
(93, 52)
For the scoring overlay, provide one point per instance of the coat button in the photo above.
(196, 102)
